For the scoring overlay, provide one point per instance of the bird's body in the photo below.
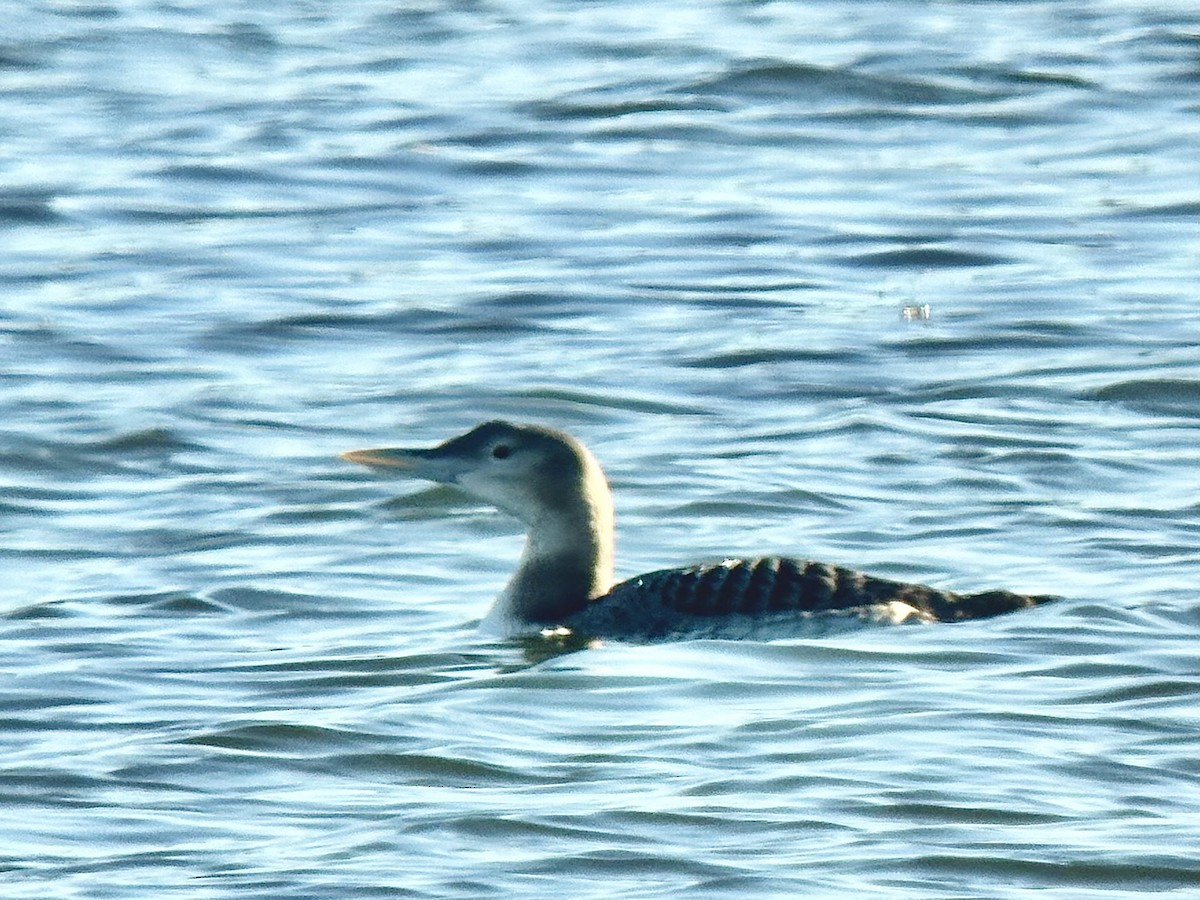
(553, 484)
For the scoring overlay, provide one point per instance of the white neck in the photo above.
(566, 562)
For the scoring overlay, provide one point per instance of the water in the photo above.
(239, 239)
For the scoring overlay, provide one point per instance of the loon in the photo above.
(564, 582)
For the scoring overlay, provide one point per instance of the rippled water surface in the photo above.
(237, 239)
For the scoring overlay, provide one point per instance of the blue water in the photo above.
(238, 239)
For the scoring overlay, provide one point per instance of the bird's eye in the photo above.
(501, 451)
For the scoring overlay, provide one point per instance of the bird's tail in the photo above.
(987, 604)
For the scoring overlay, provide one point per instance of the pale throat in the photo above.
(577, 544)
(567, 559)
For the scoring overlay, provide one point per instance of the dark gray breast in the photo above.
(763, 597)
